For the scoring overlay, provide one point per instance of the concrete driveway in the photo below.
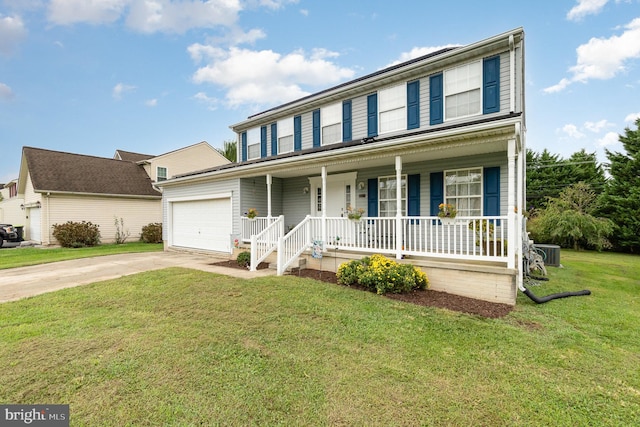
(17, 283)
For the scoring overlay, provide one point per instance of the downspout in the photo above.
(521, 196)
(398, 207)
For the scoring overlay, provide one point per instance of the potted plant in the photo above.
(354, 214)
(484, 230)
(447, 212)
(252, 213)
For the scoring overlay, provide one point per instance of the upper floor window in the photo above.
(161, 174)
(387, 192)
(253, 143)
(463, 189)
(331, 117)
(285, 135)
(462, 95)
(392, 104)
(13, 190)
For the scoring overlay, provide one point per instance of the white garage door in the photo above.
(202, 224)
(35, 232)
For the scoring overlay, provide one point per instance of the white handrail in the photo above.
(294, 244)
(265, 242)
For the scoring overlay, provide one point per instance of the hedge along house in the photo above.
(447, 127)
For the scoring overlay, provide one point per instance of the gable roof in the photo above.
(129, 156)
(57, 171)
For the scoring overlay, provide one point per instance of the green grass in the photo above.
(185, 347)
(21, 257)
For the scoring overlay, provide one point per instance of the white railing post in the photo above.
(398, 240)
(254, 249)
(511, 205)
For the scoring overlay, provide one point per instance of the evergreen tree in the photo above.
(229, 150)
(621, 199)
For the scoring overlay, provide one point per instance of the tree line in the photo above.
(577, 202)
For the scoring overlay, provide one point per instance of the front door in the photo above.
(340, 194)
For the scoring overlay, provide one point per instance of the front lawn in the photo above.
(185, 347)
(22, 257)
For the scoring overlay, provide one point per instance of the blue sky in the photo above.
(151, 76)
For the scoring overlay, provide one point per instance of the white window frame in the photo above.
(392, 104)
(330, 116)
(166, 173)
(458, 82)
(285, 131)
(457, 192)
(392, 200)
(253, 141)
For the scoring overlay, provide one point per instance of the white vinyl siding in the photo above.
(392, 108)
(253, 143)
(462, 91)
(285, 135)
(331, 119)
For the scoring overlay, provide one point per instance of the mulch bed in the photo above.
(427, 297)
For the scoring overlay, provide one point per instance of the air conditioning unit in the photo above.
(551, 254)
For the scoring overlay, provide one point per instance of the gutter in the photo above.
(77, 193)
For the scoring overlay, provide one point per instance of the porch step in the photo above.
(298, 264)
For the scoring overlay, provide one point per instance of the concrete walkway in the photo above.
(22, 282)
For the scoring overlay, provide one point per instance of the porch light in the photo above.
(305, 190)
(22, 206)
(361, 185)
(38, 204)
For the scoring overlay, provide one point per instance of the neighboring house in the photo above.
(447, 127)
(56, 187)
(10, 211)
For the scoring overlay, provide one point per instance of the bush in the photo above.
(244, 259)
(382, 275)
(77, 234)
(152, 233)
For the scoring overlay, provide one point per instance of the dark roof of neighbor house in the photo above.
(129, 156)
(77, 173)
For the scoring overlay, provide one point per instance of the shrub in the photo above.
(77, 234)
(244, 259)
(382, 275)
(121, 234)
(152, 233)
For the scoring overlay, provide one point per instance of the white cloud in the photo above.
(12, 31)
(585, 7)
(304, 12)
(266, 77)
(598, 126)
(65, 12)
(5, 92)
(572, 131)
(610, 138)
(120, 89)
(151, 102)
(631, 118)
(417, 52)
(211, 103)
(602, 58)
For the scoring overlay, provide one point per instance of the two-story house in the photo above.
(446, 128)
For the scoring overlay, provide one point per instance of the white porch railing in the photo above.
(463, 238)
(251, 226)
(266, 241)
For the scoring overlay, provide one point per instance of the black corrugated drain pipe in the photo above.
(548, 298)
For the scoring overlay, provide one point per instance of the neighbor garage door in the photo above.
(202, 224)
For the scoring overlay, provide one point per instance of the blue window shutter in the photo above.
(435, 100)
(413, 196)
(491, 85)
(437, 192)
(413, 105)
(491, 204)
(372, 197)
(346, 121)
(274, 139)
(263, 141)
(297, 133)
(316, 128)
(243, 138)
(372, 115)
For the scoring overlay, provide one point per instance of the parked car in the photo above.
(8, 233)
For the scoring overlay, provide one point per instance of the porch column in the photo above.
(398, 207)
(324, 207)
(269, 196)
(511, 199)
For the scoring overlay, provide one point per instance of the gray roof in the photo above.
(57, 171)
(133, 157)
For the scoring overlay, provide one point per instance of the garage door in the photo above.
(35, 233)
(202, 224)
